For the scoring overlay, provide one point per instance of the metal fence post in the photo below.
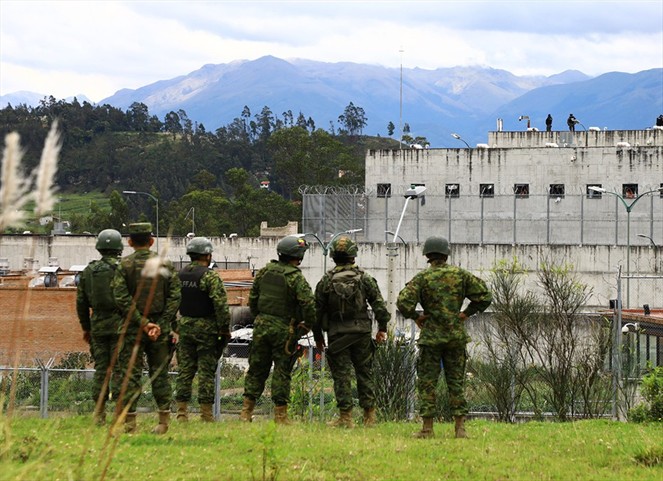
(217, 390)
(43, 386)
(322, 385)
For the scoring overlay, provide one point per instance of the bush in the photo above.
(395, 371)
(652, 391)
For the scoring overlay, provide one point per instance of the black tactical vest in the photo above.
(195, 302)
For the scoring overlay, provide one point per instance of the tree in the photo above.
(138, 116)
(171, 123)
(353, 119)
(390, 128)
(301, 157)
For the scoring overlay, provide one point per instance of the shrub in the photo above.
(652, 391)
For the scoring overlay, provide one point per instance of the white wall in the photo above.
(595, 265)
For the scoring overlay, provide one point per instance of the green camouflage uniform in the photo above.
(103, 325)
(274, 328)
(199, 337)
(354, 336)
(163, 309)
(441, 290)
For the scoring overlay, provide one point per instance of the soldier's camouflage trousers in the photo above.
(102, 348)
(158, 358)
(357, 357)
(267, 346)
(452, 356)
(196, 354)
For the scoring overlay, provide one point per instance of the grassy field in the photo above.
(67, 205)
(73, 449)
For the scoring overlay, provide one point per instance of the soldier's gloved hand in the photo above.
(86, 336)
(420, 320)
(174, 337)
(381, 337)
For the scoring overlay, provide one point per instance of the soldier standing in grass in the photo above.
(282, 302)
(441, 290)
(101, 327)
(342, 298)
(203, 329)
(147, 291)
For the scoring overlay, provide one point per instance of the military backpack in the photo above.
(347, 302)
(99, 290)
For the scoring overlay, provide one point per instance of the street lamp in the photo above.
(392, 248)
(325, 246)
(411, 193)
(133, 192)
(650, 240)
(628, 207)
(458, 137)
(391, 232)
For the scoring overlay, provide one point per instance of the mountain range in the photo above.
(435, 103)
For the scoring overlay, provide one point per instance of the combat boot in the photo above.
(460, 426)
(427, 429)
(344, 420)
(247, 410)
(206, 413)
(369, 417)
(162, 427)
(130, 423)
(281, 415)
(182, 412)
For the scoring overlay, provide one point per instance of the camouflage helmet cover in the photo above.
(109, 240)
(292, 246)
(343, 245)
(436, 245)
(199, 245)
(140, 228)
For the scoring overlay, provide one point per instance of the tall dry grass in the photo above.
(16, 190)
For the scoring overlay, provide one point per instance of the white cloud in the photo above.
(64, 48)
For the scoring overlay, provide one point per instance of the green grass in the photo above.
(73, 449)
(66, 205)
(79, 203)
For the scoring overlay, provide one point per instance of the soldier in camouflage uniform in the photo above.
(441, 290)
(100, 329)
(203, 329)
(282, 301)
(147, 291)
(341, 307)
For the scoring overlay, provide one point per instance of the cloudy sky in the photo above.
(96, 47)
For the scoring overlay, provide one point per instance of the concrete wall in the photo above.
(577, 216)
(595, 265)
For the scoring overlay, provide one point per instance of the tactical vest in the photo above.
(274, 296)
(347, 302)
(195, 302)
(99, 276)
(133, 266)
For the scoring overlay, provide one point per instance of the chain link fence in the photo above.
(590, 218)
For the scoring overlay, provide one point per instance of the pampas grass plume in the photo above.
(14, 186)
(48, 166)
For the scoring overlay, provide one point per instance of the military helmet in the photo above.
(199, 245)
(436, 245)
(109, 240)
(292, 246)
(344, 246)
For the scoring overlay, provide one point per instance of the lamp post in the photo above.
(392, 247)
(325, 246)
(458, 137)
(628, 206)
(133, 192)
